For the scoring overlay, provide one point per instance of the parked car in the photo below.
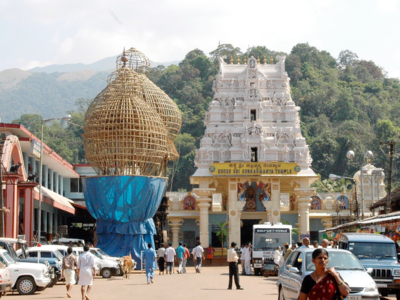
(26, 278)
(104, 267)
(46, 253)
(378, 252)
(100, 253)
(21, 255)
(299, 264)
(61, 248)
(269, 269)
(5, 282)
(65, 241)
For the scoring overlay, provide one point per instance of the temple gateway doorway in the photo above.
(246, 232)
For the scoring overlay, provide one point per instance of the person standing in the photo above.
(210, 253)
(161, 260)
(242, 251)
(179, 254)
(150, 257)
(325, 243)
(198, 255)
(278, 257)
(306, 243)
(315, 244)
(86, 271)
(69, 265)
(232, 258)
(169, 257)
(247, 259)
(288, 251)
(186, 255)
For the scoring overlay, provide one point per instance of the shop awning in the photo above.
(56, 200)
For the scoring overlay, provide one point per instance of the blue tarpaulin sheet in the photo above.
(124, 207)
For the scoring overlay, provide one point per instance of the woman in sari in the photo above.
(324, 283)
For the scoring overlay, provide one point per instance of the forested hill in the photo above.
(346, 103)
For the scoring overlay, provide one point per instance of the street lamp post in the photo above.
(66, 118)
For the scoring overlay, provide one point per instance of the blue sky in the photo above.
(42, 32)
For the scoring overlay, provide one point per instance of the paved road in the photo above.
(210, 284)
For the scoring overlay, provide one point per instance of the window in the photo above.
(253, 115)
(45, 254)
(76, 185)
(32, 254)
(254, 154)
(2, 260)
(290, 261)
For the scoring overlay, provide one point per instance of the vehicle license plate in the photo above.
(353, 297)
(257, 265)
(381, 285)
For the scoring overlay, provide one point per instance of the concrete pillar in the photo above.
(11, 202)
(32, 161)
(55, 222)
(56, 182)
(44, 223)
(235, 212)
(28, 213)
(61, 185)
(204, 203)
(304, 200)
(175, 224)
(51, 179)
(46, 176)
(275, 215)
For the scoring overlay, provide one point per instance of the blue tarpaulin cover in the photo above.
(124, 207)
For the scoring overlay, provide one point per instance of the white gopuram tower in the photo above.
(253, 139)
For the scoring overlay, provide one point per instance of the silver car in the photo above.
(299, 264)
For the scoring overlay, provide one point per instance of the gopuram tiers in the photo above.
(253, 159)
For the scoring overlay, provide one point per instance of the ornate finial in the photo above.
(258, 60)
(238, 61)
(231, 60)
(271, 60)
(124, 59)
(265, 60)
(245, 60)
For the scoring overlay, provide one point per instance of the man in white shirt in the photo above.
(306, 243)
(198, 255)
(232, 258)
(170, 257)
(242, 250)
(161, 260)
(247, 259)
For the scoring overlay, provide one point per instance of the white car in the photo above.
(100, 253)
(104, 267)
(5, 282)
(26, 278)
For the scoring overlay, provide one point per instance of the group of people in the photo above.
(245, 258)
(84, 267)
(167, 257)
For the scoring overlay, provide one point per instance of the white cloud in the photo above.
(388, 6)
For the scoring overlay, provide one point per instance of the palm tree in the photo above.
(222, 234)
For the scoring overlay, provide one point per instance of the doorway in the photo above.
(246, 232)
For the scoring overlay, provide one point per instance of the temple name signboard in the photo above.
(255, 168)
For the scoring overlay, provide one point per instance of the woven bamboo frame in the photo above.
(123, 134)
(137, 61)
(167, 109)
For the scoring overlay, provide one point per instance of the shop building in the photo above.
(21, 186)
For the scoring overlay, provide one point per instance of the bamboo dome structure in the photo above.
(136, 61)
(124, 135)
(168, 111)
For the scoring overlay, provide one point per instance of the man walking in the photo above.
(86, 271)
(149, 256)
(247, 259)
(198, 255)
(186, 255)
(179, 254)
(232, 258)
(169, 257)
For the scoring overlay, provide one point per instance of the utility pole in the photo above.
(389, 186)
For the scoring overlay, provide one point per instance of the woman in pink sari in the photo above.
(323, 283)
